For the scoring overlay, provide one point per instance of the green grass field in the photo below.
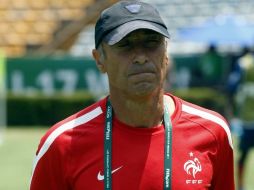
(18, 150)
(16, 157)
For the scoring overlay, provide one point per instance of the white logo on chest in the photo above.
(101, 177)
(192, 167)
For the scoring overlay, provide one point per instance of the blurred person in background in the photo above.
(233, 82)
(138, 137)
(244, 110)
(211, 67)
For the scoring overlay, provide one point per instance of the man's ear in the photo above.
(166, 53)
(167, 59)
(99, 60)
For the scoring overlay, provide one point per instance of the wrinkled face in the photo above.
(137, 64)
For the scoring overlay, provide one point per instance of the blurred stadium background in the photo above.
(47, 72)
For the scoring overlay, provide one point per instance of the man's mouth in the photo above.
(140, 73)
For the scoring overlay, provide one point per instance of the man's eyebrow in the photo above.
(146, 34)
(154, 35)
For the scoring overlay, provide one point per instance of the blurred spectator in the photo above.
(211, 67)
(245, 145)
(245, 101)
(234, 80)
(244, 82)
(246, 62)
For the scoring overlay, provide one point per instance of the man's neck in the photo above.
(143, 112)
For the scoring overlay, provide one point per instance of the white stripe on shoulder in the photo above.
(210, 117)
(66, 126)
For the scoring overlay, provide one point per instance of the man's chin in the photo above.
(143, 89)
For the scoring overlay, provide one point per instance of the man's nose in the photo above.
(140, 56)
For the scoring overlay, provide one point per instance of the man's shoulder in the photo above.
(83, 116)
(63, 132)
(200, 111)
(210, 120)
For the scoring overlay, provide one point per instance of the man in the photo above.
(137, 138)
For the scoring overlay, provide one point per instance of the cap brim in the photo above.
(120, 32)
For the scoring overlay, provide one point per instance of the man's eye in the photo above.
(124, 44)
(152, 42)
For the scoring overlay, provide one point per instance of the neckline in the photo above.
(159, 129)
(151, 130)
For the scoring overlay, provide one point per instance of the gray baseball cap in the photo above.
(124, 17)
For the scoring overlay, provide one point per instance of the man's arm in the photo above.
(224, 167)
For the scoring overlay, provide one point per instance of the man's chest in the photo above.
(138, 164)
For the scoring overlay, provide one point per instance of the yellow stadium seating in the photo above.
(25, 23)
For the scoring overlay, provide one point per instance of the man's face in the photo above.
(137, 64)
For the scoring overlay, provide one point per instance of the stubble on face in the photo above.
(136, 65)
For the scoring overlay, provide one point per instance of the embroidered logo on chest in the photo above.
(192, 167)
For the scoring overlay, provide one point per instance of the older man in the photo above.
(138, 137)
